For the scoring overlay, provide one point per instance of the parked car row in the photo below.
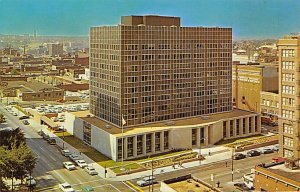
(49, 139)
(253, 153)
(76, 161)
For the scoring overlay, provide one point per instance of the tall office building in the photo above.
(289, 90)
(55, 49)
(150, 69)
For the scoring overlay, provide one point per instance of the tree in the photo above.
(2, 118)
(16, 161)
(11, 136)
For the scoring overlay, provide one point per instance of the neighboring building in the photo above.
(31, 91)
(186, 183)
(151, 69)
(276, 177)
(248, 83)
(55, 49)
(269, 105)
(289, 94)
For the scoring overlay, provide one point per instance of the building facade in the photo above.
(162, 137)
(150, 69)
(55, 49)
(289, 90)
(248, 83)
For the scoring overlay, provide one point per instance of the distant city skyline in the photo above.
(250, 19)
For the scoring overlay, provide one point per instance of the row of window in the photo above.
(288, 65)
(288, 53)
(288, 114)
(287, 89)
(289, 77)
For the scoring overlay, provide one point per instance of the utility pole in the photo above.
(152, 171)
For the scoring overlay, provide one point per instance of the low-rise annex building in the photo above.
(161, 137)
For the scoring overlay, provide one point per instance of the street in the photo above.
(219, 170)
(49, 170)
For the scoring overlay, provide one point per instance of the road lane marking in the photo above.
(114, 187)
(88, 182)
(134, 186)
(42, 149)
(52, 158)
(129, 186)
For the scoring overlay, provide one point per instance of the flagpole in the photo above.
(122, 142)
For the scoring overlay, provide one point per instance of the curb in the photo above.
(134, 186)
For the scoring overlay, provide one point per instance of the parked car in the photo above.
(253, 153)
(146, 181)
(51, 141)
(74, 157)
(274, 148)
(278, 159)
(14, 114)
(25, 122)
(266, 150)
(24, 117)
(81, 163)
(238, 156)
(90, 171)
(87, 188)
(66, 187)
(69, 165)
(30, 181)
(65, 152)
(13, 103)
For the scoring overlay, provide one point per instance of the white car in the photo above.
(69, 165)
(81, 163)
(90, 171)
(65, 152)
(74, 157)
(30, 181)
(66, 187)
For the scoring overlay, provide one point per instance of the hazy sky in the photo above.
(248, 18)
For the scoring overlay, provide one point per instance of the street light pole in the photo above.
(232, 164)
(63, 137)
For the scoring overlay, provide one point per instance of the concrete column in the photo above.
(144, 144)
(234, 127)
(241, 126)
(227, 128)
(162, 141)
(259, 123)
(153, 142)
(253, 124)
(135, 146)
(247, 125)
(125, 147)
(206, 136)
(198, 137)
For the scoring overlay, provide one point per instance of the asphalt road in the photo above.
(49, 170)
(219, 170)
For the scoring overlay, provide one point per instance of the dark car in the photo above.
(267, 151)
(253, 153)
(51, 141)
(24, 117)
(238, 156)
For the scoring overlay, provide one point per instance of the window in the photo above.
(288, 53)
(166, 140)
(87, 133)
(129, 146)
(288, 114)
(157, 141)
(288, 153)
(224, 129)
(194, 136)
(288, 128)
(288, 89)
(237, 127)
(231, 128)
(288, 101)
(288, 65)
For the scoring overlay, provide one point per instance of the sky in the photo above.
(249, 18)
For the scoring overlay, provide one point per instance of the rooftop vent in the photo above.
(204, 117)
(170, 123)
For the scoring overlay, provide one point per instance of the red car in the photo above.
(278, 159)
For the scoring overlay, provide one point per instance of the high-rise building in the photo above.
(289, 90)
(151, 69)
(55, 49)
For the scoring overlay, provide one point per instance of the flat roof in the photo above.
(25, 86)
(285, 172)
(192, 121)
(189, 185)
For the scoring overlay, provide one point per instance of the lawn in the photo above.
(225, 142)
